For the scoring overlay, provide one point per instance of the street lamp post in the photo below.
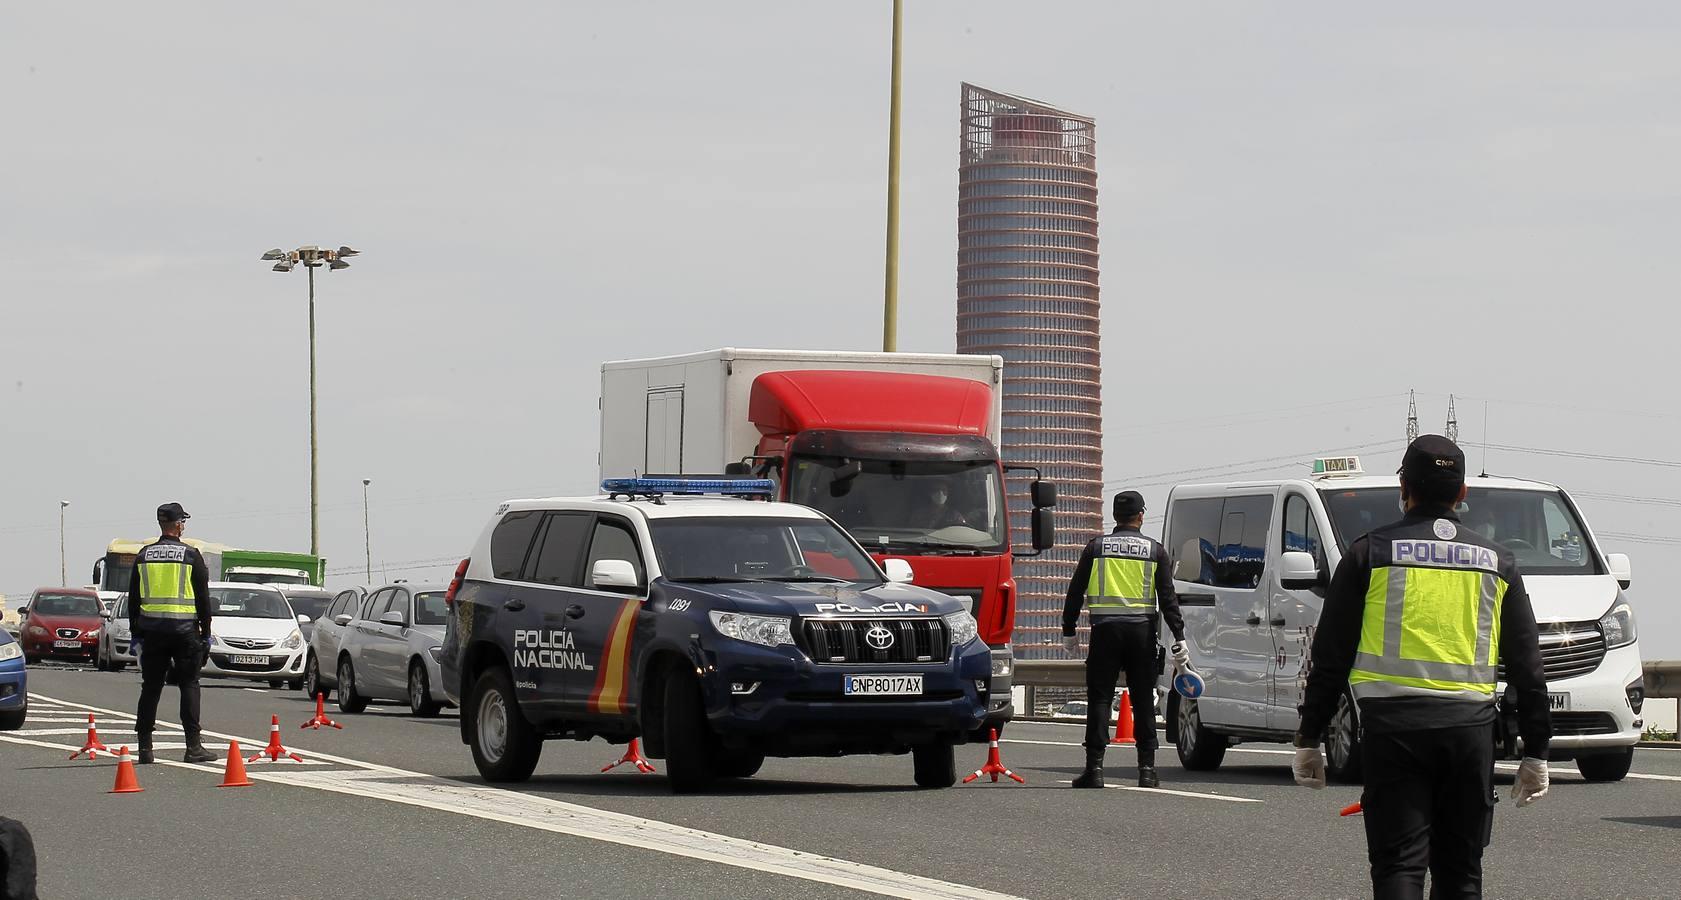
(63, 574)
(367, 535)
(312, 258)
(890, 305)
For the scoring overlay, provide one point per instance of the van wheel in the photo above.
(1200, 750)
(348, 701)
(935, 764)
(689, 748)
(1606, 766)
(740, 765)
(1342, 743)
(420, 692)
(505, 746)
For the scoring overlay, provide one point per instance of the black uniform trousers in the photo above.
(162, 653)
(1428, 804)
(1122, 644)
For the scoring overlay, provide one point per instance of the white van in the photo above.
(1251, 562)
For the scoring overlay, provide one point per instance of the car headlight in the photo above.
(10, 651)
(1618, 626)
(92, 635)
(38, 631)
(962, 627)
(294, 640)
(771, 631)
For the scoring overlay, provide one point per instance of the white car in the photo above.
(115, 648)
(254, 634)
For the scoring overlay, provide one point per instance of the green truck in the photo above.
(112, 572)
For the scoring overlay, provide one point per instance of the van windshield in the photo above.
(1540, 527)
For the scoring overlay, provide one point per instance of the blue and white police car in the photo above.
(718, 628)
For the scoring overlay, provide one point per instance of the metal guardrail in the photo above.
(1663, 676)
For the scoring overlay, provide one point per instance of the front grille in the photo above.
(850, 640)
(1569, 649)
(1566, 724)
(248, 643)
(223, 662)
(69, 634)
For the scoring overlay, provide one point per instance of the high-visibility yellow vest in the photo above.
(165, 578)
(1432, 618)
(1123, 576)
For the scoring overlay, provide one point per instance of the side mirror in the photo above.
(898, 570)
(23, 611)
(1044, 494)
(1619, 566)
(616, 575)
(393, 617)
(1297, 571)
(303, 619)
(341, 620)
(105, 614)
(1044, 528)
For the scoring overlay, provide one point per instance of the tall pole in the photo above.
(890, 314)
(367, 535)
(63, 574)
(314, 467)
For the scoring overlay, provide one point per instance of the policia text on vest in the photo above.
(169, 613)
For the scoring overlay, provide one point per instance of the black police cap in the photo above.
(172, 512)
(1433, 459)
(1128, 504)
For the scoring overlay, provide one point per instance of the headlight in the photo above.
(294, 640)
(10, 651)
(37, 631)
(1618, 626)
(962, 627)
(771, 631)
(92, 635)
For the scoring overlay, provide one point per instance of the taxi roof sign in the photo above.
(1337, 465)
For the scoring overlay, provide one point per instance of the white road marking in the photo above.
(526, 810)
(1131, 747)
(1199, 796)
(1513, 767)
(256, 690)
(48, 732)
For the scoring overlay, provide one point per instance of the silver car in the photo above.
(115, 650)
(327, 635)
(390, 651)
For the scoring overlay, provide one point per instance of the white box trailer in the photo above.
(688, 414)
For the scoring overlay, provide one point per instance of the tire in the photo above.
(1200, 750)
(13, 719)
(1342, 743)
(296, 684)
(31, 659)
(689, 747)
(312, 677)
(420, 693)
(276, 683)
(935, 764)
(740, 765)
(99, 662)
(348, 700)
(505, 746)
(1606, 766)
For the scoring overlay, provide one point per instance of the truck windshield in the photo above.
(757, 549)
(267, 576)
(916, 506)
(249, 603)
(1540, 527)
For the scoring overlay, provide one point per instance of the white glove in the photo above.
(1181, 654)
(1071, 643)
(1531, 783)
(1309, 767)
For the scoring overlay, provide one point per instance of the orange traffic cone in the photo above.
(1352, 809)
(633, 755)
(127, 783)
(274, 750)
(1123, 721)
(320, 715)
(92, 745)
(994, 766)
(234, 775)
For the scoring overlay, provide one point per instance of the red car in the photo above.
(62, 623)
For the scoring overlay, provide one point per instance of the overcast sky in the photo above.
(1307, 209)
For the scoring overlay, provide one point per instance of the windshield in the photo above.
(429, 608)
(921, 506)
(65, 605)
(769, 549)
(267, 577)
(119, 568)
(312, 603)
(249, 603)
(1539, 527)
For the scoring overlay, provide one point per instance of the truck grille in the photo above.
(862, 640)
(1569, 649)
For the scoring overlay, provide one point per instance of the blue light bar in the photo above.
(731, 486)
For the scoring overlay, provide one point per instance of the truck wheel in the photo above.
(740, 765)
(1342, 743)
(689, 749)
(936, 765)
(420, 692)
(1200, 750)
(505, 746)
(1606, 766)
(348, 701)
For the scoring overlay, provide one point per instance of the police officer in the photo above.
(169, 613)
(1417, 617)
(1123, 579)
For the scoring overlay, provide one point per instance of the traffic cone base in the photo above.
(1123, 721)
(994, 765)
(1352, 809)
(234, 775)
(320, 718)
(127, 783)
(274, 750)
(632, 755)
(92, 747)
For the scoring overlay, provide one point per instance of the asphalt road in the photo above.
(391, 806)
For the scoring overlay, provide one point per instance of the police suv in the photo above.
(719, 629)
(1251, 564)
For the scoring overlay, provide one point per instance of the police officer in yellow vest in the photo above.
(1123, 579)
(169, 614)
(1416, 619)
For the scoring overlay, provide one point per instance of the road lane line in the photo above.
(1073, 744)
(49, 732)
(1199, 796)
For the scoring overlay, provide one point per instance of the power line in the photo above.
(1627, 498)
(1664, 539)
(1580, 454)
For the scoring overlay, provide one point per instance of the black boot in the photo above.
(146, 757)
(196, 752)
(1092, 777)
(1147, 769)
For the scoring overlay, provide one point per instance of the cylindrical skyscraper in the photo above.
(1027, 291)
